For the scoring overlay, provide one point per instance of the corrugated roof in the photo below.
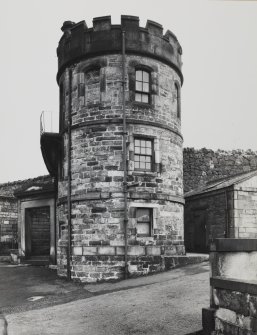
(222, 183)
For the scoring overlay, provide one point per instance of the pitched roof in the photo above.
(8, 190)
(222, 183)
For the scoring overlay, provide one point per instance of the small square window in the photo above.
(144, 222)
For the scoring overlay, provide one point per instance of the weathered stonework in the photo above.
(97, 175)
(233, 303)
(204, 165)
(8, 224)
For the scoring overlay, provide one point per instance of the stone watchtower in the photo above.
(119, 102)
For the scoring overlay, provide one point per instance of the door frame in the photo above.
(24, 245)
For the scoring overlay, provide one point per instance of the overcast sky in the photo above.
(219, 95)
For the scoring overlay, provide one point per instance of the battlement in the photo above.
(80, 42)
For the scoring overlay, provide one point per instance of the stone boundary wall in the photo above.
(203, 165)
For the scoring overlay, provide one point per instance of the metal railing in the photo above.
(46, 122)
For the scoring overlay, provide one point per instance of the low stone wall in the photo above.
(233, 308)
(204, 165)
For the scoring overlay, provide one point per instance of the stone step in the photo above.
(36, 261)
(5, 259)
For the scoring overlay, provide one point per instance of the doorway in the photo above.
(200, 232)
(37, 231)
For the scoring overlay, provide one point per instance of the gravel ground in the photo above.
(166, 303)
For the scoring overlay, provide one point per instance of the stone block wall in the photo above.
(206, 217)
(203, 165)
(245, 214)
(8, 217)
(233, 288)
(8, 224)
(236, 312)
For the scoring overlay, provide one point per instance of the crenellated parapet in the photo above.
(80, 42)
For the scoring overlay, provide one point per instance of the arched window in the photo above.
(142, 93)
(177, 88)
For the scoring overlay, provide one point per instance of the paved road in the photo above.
(167, 303)
(20, 285)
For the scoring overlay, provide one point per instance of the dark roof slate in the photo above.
(221, 183)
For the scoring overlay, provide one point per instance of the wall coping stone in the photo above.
(233, 245)
(231, 284)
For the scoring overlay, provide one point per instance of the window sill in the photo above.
(144, 235)
(143, 173)
(142, 104)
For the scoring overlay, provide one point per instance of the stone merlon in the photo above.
(80, 42)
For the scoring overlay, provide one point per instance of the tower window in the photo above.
(62, 111)
(144, 222)
(142, 86)
(92, 87)
(177, 88)
(143, 158)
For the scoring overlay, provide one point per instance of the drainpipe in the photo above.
(69, 177)
(125, 184)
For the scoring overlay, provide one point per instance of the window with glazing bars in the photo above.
(143, 154)
(144, 221)
(142, 86)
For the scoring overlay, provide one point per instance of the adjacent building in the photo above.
(225, 208)
(27, 220)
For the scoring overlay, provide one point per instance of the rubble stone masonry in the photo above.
(97, 173)
(203, 165)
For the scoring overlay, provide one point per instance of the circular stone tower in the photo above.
(114, 222)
